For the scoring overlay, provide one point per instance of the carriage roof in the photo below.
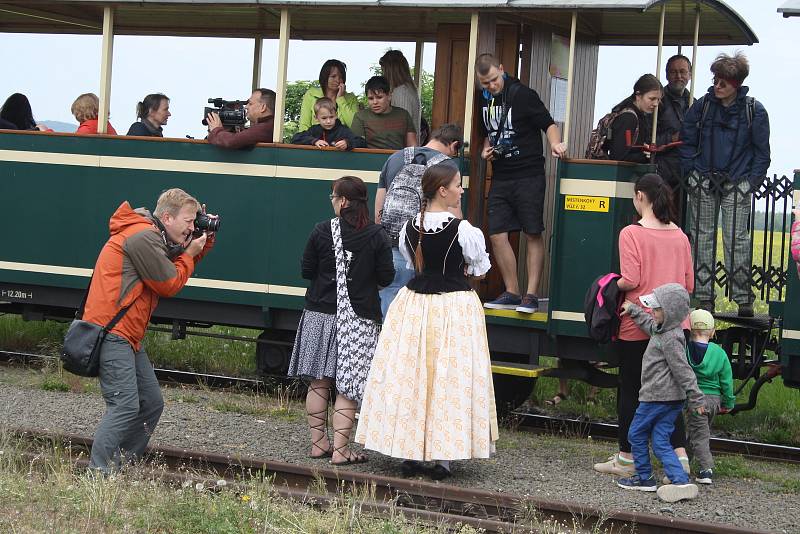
(631, 22)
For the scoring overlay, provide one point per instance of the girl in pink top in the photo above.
(652, 252)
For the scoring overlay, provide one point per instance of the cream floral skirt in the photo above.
(429, 393)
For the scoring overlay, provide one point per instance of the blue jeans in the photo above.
(656, 419)
(133, 405)
(403, 275)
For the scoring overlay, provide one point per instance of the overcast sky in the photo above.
(53, 69)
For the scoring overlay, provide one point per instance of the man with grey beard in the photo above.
(670, 119)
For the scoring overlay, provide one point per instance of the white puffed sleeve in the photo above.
(401, 244)
(473, 245)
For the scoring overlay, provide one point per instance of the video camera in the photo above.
(231, 112)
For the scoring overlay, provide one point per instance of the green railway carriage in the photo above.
(59, 189)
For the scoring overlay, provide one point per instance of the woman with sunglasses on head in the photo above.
(429, 395)
(346, 258)
(726, 155)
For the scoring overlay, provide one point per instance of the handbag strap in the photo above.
(111, 324)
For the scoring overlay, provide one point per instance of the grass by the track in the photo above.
(51, 496)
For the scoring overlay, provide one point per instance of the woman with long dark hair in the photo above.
(332, 78)
(346, 258)
(652, 252)
(633, 127)
(17, 111)
(429, 396)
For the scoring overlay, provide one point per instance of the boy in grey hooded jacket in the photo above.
(667, 378)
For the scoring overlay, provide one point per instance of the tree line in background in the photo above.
(296, 90)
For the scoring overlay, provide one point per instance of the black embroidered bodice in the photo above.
(443, 271)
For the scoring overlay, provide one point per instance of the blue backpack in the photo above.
(601, 308)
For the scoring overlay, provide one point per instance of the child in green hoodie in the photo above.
(715, 379)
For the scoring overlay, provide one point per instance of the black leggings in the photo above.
(630, 381)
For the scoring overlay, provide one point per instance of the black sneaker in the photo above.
(506, 301)
(745, 310)
(529, 304)
(409, 468)
(439, 472)
(706, 476)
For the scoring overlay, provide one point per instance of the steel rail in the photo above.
(583, 428)
(492, 511)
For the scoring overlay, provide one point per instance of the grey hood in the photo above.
(674, 300)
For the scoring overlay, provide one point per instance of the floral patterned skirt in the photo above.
(429, 394)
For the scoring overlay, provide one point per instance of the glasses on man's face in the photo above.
(682, 72)
(721, 82)
(332, 196)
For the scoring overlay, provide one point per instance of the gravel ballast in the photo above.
(542, 466)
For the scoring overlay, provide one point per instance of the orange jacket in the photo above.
(133, 267)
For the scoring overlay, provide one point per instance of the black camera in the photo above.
(231, 112)
(204, 222)
(501, 148)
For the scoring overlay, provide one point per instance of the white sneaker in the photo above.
(614, 467)
(677, 492)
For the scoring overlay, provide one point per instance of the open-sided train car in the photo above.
(61, 188)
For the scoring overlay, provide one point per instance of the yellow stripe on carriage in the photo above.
(511, 314)
(528, 371)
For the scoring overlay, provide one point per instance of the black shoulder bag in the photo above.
(82, 343)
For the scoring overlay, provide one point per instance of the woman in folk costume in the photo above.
(346, 259)
(429, 394)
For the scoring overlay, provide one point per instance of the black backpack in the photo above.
(601, 308)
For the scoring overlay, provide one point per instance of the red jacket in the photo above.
(133, 267)
(89, 127)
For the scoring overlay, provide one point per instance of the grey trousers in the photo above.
(704, 206)
(133, 405)
(698, 428)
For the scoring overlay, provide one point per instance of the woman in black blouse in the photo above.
(633, 127)
(346, 258)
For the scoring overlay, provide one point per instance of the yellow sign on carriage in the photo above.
(585, 203)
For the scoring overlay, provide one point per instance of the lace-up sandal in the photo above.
(320, 424)
(345, 451)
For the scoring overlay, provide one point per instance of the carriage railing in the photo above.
(740, 237)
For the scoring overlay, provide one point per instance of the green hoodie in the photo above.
(347, 106)
(714, 375)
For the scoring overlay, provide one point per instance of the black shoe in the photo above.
(745, 310)
(439, 472)
(409, 468)
(707, 305)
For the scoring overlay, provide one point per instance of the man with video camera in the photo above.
(148, 256)
(260, 111)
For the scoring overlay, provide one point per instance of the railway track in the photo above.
(582, 428)
(423, 501)
(557, 425)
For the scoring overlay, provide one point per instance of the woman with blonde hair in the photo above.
(429, 394)
(86, 108)
(395, 69)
